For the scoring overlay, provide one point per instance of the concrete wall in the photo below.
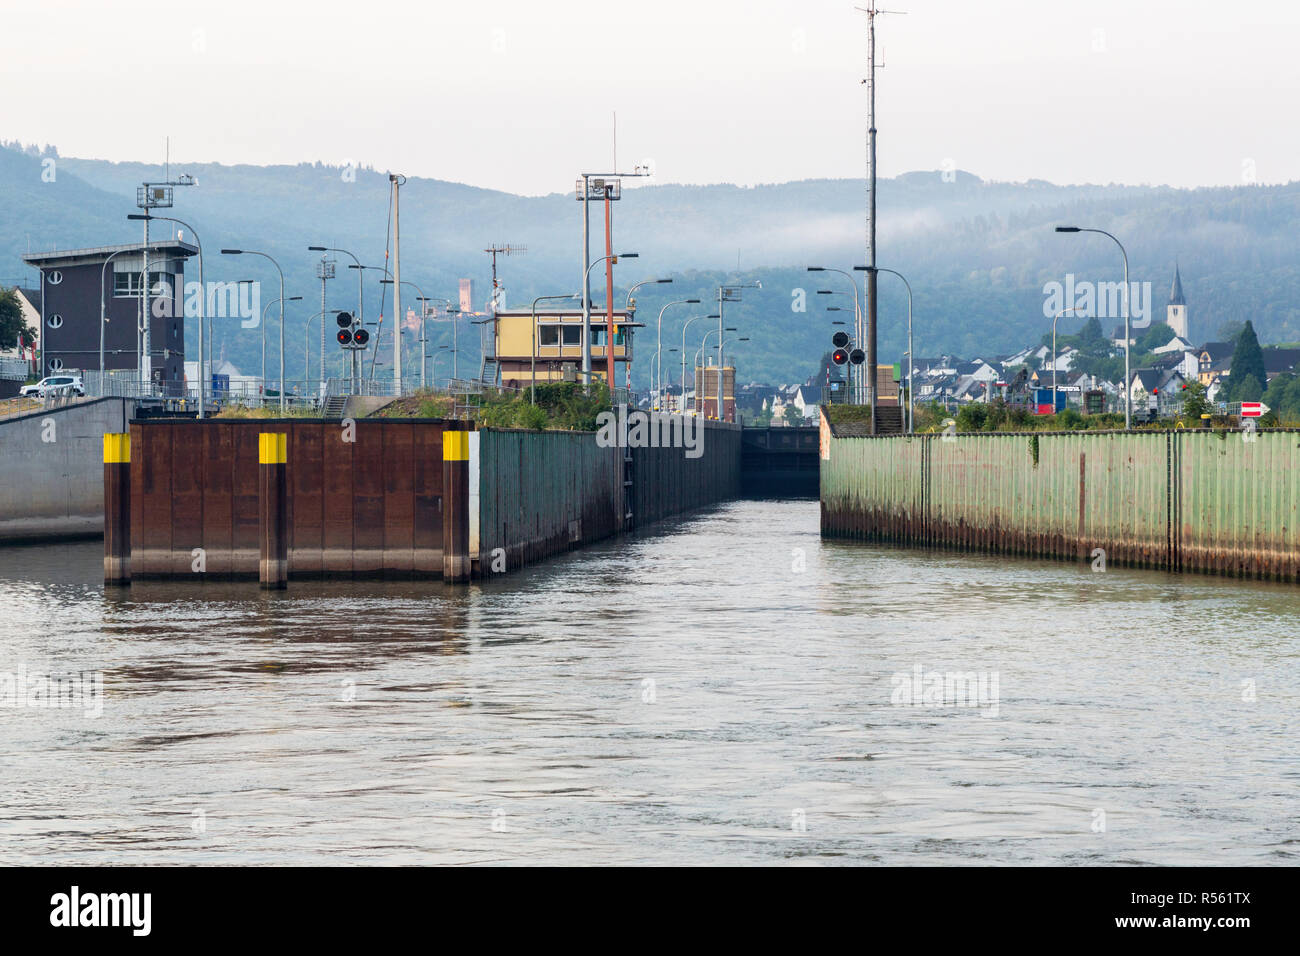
(53, 470)
(1179, 500)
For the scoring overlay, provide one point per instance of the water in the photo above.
(517, 722)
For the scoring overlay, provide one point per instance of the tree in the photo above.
(1155, 337)
(1195, 404)
(1247, 377)
(11, 321)
(792, 416)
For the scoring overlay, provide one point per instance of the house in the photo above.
(1156, 390)
(1278, 360)
(1214, 359)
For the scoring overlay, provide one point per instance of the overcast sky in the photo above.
(519, 95)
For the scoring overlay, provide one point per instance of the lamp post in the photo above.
(361, 298)
(1128, 387)
(586, 322)
(587, 263)
(1054, 318)
(454, 314)
(655, 384)
(306, 345)
(440, 350)
(423, 300)
(203, 296)
(857, 314)
(728, 293)
(292, 298)
(252, 252)
(532, 387)
(910, 408)
(686, 326)
(703, 341)
(103, 318)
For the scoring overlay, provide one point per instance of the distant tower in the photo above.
(1176, 310)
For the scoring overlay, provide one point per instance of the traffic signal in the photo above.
(350, 335)
(840, 339)
(857, 356)
(839, 356)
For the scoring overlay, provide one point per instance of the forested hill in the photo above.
(977, 253)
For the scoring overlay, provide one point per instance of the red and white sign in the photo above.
(1253, 409)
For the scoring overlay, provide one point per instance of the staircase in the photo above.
(490, 371)
(889, 420)
(334, 406)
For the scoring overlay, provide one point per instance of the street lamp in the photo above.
(203, 296)
(103, 318)
(857, 319)
(423, 300)
(655, 382)
(911, 411)
(728, 293)
(361, 298)
(253, 252)
(686, 326)
(1128, 388)
(720, 331)
(1054, 318)
(586, 322)
(440, 350)
(637, 171)
(532, 387)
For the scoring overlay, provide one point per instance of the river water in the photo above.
(729, 688)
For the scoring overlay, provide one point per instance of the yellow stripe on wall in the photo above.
(455, 446)
(117, 448)
(272, 448)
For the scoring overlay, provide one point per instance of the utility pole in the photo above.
(397, 180)
(148, 197)
(870, 393)
(604, 182)
(325, 271)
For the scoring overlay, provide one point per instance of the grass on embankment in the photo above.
(561, 406)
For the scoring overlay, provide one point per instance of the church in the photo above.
(1176, 310)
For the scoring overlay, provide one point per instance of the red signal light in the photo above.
(839, 357)
(344, 337)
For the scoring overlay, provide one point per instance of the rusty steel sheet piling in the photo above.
(1195, 500)
(455, 505)
(117, 508)
(273, 524)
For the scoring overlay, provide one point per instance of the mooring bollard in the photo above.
(117, 508)
(273, 526)
(455, 504)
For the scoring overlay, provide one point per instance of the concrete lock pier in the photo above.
(278, 500)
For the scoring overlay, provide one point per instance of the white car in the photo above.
(54, 385)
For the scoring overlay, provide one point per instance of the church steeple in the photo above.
(1176, 293)
(1176, 310)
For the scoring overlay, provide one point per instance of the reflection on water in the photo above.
(723, 690)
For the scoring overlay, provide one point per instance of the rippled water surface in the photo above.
(722, 690)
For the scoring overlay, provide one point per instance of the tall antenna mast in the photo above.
(869, 394)
(507, 250)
